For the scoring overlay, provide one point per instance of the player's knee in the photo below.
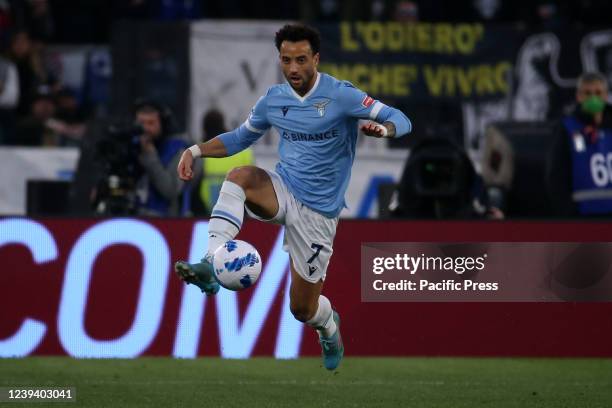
(302, 312)
(243, 176)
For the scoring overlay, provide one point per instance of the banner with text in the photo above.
(422, 61)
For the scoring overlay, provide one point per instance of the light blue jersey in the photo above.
(318, 134)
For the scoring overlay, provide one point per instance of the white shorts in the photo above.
(309, 236)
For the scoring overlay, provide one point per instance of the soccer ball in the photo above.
(237, 265)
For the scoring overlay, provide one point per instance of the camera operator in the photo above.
(159, 188)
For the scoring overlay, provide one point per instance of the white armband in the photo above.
(195, 151)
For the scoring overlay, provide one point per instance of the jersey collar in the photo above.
(314, 87)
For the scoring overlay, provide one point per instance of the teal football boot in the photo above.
(200, 274)
(332, 347)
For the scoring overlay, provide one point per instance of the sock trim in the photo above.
(227, 217)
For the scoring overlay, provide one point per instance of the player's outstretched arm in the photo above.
(229, 143)
(212, 148)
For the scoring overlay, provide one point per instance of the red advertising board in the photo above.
(105, 288)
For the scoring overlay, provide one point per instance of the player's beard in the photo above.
(302, 85)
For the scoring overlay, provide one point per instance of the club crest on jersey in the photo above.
(321, 107)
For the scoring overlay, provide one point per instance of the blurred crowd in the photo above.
(74, 21)
(35, 107)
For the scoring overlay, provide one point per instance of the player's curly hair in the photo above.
(298, 32)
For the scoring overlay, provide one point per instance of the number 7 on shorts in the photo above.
(316, 247)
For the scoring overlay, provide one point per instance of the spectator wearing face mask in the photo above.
(579, 170)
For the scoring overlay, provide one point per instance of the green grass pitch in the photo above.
(360, 382)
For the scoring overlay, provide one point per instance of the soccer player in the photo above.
(317, 117)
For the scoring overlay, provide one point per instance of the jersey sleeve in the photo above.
(358, 104)
(258, 118)
(249, 132)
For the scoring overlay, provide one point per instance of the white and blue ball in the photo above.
(237, 265)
